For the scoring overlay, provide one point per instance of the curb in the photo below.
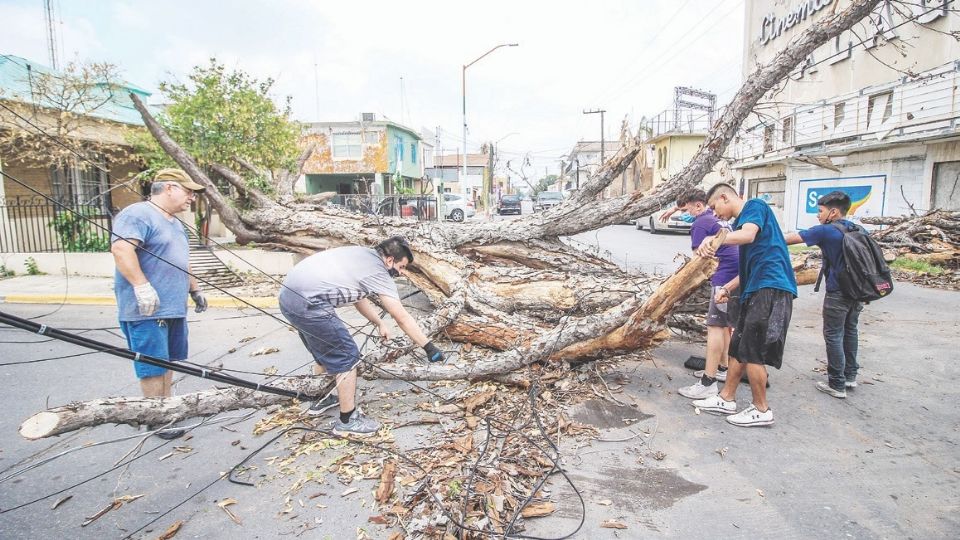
(81, 300)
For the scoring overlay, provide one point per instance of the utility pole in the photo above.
(489, 186)
(51, 33)
(603, 143)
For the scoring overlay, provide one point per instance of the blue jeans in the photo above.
(840, 318)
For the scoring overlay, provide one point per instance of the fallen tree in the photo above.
(512, 288)
(933, 237)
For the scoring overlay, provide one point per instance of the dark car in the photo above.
(547, 200)
(509, 204)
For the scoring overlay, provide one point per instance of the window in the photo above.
(413, 152)
(770, 190)
(879, 108)
(80, 185)
(664, 157)
(371, 137)
(347, 146)
(787, 134)
(768, 138)
(398, 143)
(839, 111)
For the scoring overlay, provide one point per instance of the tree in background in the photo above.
(69, 107)
(225, 119)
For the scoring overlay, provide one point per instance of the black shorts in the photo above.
(723, 315)
(761, 330)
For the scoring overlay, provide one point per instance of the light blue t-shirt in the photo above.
(165, 238)
(764, 263)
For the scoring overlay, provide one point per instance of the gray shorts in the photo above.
(725, 314)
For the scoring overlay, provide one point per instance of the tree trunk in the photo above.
(511, 287)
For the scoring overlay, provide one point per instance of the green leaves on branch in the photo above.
(219, 117)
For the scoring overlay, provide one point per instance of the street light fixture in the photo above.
(463, 87)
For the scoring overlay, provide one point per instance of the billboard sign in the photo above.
(867, 195)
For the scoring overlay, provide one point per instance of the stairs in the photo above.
(209, 269)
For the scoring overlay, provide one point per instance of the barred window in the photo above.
(80, 185)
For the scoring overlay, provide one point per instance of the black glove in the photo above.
(199, 300)
(433, 353)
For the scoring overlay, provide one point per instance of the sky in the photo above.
(403, 60)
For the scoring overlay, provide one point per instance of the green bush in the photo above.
(77, 235)
(4, 272)
(32, 268)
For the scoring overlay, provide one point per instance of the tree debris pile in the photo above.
(935, 234)
(932, 240)
(484, 468)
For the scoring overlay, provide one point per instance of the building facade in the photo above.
(88, 116)
(873, 113)
(363, 157)
(447, 174)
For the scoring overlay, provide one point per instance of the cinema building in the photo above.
(874, 113)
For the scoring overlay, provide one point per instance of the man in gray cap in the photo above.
(150, 248)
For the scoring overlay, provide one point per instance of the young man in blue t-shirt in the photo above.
(721, 316)
(840, 314)
(768, 287)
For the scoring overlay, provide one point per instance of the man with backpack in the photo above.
(855, 273)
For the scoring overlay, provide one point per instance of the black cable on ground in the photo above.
(68, 488)
(125, 353)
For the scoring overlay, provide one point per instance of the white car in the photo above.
(679, 222)
(457, 207)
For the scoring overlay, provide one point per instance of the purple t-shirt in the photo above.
(707, 224)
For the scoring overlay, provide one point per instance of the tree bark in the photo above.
(160, 411)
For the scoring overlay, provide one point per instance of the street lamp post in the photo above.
(463, 87)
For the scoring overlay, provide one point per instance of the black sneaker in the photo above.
(695, 363)
(323, 405)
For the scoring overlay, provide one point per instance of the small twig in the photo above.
(612, 398)
(633, 436)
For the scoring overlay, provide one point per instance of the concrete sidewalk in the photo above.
(98, 291)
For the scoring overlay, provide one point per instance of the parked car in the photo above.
(678, 222)
(509, 204)
(457, 207)
(547, 200)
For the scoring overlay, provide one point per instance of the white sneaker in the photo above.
(721, 374)
(850, 384)
(715, 404)
(751, 417)
(825, 388)
(699, 391)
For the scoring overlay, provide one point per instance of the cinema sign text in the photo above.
(773, 27)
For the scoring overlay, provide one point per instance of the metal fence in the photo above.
(419, 207)
(36, 225)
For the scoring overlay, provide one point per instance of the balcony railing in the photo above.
(683, 121)
(901, 110)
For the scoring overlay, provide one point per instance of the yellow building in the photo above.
(675, 137)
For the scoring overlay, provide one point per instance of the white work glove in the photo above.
(147, 299)
(199, 300)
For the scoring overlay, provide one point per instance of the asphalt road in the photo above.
(881, 464)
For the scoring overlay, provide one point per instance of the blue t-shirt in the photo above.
(167, 239)
(707, 224)
(764, 263)
(830, 241)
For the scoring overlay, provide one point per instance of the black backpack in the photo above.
(865, 276)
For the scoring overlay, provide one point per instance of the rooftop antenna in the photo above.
(51, 33)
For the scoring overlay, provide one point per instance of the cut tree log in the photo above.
(160, 411)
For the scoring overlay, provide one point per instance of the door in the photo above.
(946, 186)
